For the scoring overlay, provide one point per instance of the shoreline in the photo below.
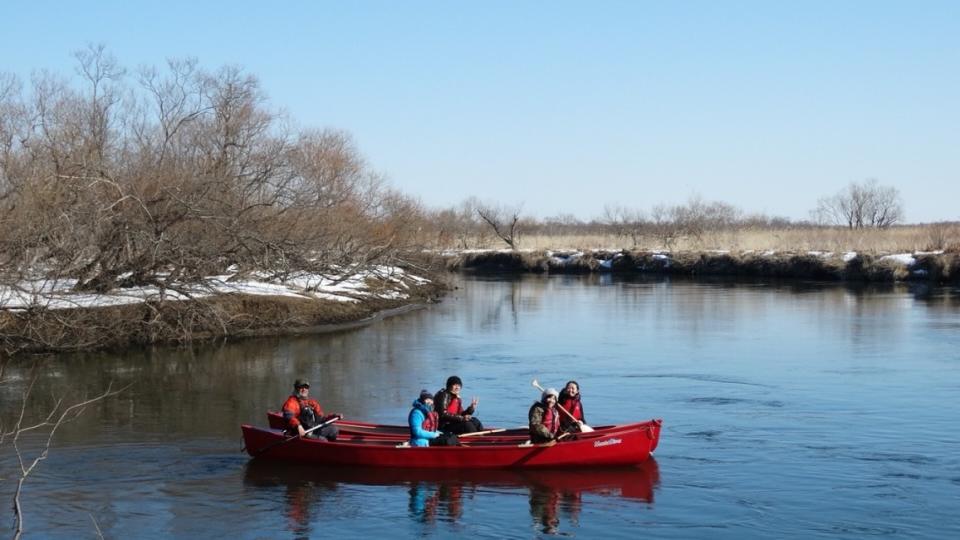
(240, 314)
(224, 316)
(330, 328)
(931, 267)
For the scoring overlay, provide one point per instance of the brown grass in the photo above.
(903, 239)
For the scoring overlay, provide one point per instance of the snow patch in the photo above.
(59, 294)
(905, 259)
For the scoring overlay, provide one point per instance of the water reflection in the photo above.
(555, 496)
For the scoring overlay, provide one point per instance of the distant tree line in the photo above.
(475, 223)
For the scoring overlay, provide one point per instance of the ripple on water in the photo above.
(708, 435)
(694, 377)
(860, 530)
(716, 400)
(912, 459)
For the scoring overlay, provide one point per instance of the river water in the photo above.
(790, 410)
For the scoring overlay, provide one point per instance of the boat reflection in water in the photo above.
(440, 495)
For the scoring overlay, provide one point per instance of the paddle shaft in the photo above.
(487, 432)
(297, 436)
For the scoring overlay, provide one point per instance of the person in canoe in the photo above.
(423, 421)
(302, 413)
(453, 417)
(570, 400)
(544, 418)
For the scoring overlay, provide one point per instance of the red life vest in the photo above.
(574, 408)
(455, 407)
(551, 420)
(431, 422)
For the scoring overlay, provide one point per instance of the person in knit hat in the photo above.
(544, 418)
(423, 421)
(453, 417)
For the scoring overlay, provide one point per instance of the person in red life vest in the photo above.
(570, 400)
(453, 417)
(424, 421)
(303, 413)
(544, 418)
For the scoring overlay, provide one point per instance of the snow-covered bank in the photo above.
(392, 283)
(935, 266)
(47, 315)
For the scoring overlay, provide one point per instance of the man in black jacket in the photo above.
(453, 417)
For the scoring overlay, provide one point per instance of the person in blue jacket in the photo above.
(423, 421)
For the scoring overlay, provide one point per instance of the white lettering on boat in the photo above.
(607, 442)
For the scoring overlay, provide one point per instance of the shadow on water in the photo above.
(442, 495)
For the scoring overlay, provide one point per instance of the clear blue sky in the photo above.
(567, 106)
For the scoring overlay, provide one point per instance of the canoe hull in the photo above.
(353, 431)
(627, 446)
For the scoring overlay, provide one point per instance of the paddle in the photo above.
(548, 443)
(583, 427)
(487, 432)
(297, 436)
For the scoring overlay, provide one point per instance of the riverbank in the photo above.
(935, 267)
(49, 317)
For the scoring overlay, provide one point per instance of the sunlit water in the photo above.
(790, 411)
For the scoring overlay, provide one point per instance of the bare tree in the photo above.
(503, 220)
(459, 226)
(861, 205)
(664, 226)
(180, 175)
(625, 222)
(47, 426)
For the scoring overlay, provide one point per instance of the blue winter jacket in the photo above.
(418, 435)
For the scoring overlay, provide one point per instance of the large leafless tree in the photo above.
(861, 205)
(166, 176)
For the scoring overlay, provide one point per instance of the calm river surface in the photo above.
(790, 411)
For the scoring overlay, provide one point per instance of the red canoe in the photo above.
(627, 445)
(353, 431)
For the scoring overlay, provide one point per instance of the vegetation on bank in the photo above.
(937, 267)
(694, 226)
(217, 316)
(160, 179)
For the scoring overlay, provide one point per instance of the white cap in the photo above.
(549, 391)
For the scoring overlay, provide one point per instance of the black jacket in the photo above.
(440, 403)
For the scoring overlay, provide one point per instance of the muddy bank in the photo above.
(221, 316)
(931, 267)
